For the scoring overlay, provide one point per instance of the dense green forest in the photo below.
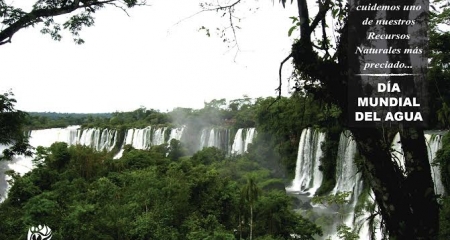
(168, 191)
(83, 194)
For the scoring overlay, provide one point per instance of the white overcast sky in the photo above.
(148, 60)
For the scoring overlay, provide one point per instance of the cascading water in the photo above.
(98, 139)
(347, 180)
(158, 136)
(176, 134)
(240, 143)
(215, 137)
(308, 177)
(212, 139)
(303, 161)
(238, 147)
(19, 164)
(249, 138)
(434, 143)
(203, 139)
(319, 138)
(346, 172)
(397, 152)
(146, 137)
(22, 164)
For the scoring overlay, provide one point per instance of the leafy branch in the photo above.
(13, 19)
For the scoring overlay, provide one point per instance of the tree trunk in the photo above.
(424, 222)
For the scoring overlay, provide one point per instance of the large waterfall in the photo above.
(243, 137)
(144, 138)
(348, 179)
(99, 139)
(221, 138)
(215, 137)
(346, 173)
(308, 177)
(109, 139)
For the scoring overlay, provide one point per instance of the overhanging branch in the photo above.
(320, 15)
(279, 73)
(36, 16)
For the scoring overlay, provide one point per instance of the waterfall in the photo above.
(141, 138)
(146, 137)
(127, 141)
(397, 153)
(224, 140)
(249, 138)
(215, 137)
(319, 138)
(303, 160)
(212, 141)
(308, 177)
(346, 178)
(158, 136)
(98, 139)
(20, 164)
(434, 143)
(176, 134)
(203, 139)
(240, 144)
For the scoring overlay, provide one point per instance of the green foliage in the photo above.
(81, 14)
(43, 120)
(444, 219)
(279, 125)
(176, 150)
(82, 194)
(328, 160)
(296, 25)
(339, 198)
(273, 210)
(346, 233)
(443, 160)
(208, 155)
(438, 71)
(12, 128)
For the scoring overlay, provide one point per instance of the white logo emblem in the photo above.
(39, 233)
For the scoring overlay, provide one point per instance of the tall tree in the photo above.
(408, 202)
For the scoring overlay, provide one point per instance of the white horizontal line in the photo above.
(387, 74)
